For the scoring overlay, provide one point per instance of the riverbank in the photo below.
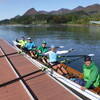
(88, 25)
(94, 25)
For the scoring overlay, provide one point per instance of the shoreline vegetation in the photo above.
(79, 18)
(48, 25)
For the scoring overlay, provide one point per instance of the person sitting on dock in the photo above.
(30, 47)
(54, 62)
(91, 75)
(22, 42)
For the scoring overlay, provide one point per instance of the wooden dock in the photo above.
(37, 86)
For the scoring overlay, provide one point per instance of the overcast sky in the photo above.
(11, 8)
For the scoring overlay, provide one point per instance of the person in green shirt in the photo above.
(91, 75)
(42, 49)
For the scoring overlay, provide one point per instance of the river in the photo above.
(84, 40)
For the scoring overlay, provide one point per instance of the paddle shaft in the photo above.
(75, 56)
(57, 47)
(74, 60)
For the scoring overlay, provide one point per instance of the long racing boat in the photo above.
(88, 94)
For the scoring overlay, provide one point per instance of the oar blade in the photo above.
(91, 54)
(61, 46)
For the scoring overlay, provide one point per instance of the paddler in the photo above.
(40, 50)
(91, 75)
(22, 42)
(53, 61)
(29, 47)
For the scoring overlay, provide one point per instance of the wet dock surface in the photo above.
(38, 86)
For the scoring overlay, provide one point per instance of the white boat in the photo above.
(65, 82)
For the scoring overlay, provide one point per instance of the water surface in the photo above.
(84, 40)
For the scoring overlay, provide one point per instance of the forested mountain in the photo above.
(89, 9)
(78, 15)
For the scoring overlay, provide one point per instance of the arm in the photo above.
(64, 51)
(38, 48)
(17, 40)
(33, 45)
(47, 53)
(92, 79)
(26, 45)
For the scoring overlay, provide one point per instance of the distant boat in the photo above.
(27, 26)
(95, 22)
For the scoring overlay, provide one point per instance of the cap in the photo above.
(87, 58)
(29, 38)
(23, 37)
(44, 42)
(52, 46)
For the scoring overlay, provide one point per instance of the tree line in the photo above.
(79, 17)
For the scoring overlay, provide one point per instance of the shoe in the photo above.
(66, 75)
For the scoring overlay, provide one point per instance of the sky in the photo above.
(12, 8)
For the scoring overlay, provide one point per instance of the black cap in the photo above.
(87, 58)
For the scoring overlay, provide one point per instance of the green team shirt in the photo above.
(42, 49)
(91, 75)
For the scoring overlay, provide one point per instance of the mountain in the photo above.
(92, 9)
(78, 8)
(42, 12)
(60, 11)
(31, 11)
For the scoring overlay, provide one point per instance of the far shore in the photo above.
(94, 25)
(90, 25)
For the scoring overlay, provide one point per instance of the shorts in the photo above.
(54, 63)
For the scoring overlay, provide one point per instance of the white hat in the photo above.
(52, 46)
(29, 38)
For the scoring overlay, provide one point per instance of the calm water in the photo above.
(84, 40)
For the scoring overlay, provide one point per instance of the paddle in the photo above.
(58, 47)
(77, 55)
(74, 60)
(64, 60)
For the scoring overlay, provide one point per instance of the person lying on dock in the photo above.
(22, 42)
(53, 61)
(40, 50)
(91, 75)
(29, 47)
